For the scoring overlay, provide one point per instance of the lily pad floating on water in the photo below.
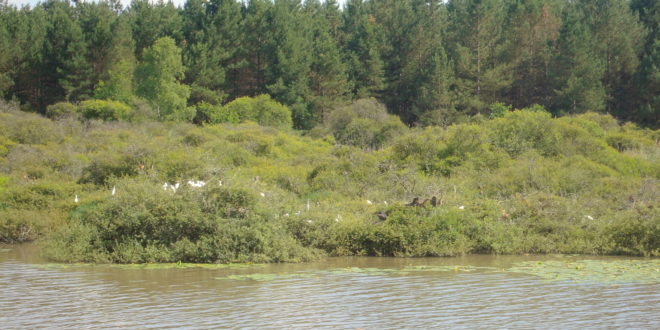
(259, 277)
(180, 265)
(151, 266)
(593, 271)
(447, 268)
(355, 270)
(407, 270)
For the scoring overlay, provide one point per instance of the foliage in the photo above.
(261, 109)
(158, 81)
(364, 123)
(521, 183)
(214, 114)
(61, 109)
(104, 109)
(428, 62)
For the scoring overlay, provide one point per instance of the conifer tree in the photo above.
(327, 78)
(6, 50)
(117, 81)
(68, 72)
(27, 39)
(151, 21)
(288, 77)
(532, 31)
(619, 39)
(361, 49)
(647, 82)
(575, 71)
(257, 48)
(477, 47)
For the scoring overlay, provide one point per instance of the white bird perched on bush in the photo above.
(165, 186)
(219, 182)
(589, 217)
(307, 205)
(114, 190)
(75, 200)
(461, 207)
(369, 202)
(196, 184)
(262, 194)
(174, 187)
(385, 202)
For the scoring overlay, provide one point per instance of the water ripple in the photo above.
(34, 297)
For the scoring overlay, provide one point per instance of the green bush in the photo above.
(261, 109)
(522, 130)
(364, 124)
(215, 114)
(61, 109)
(144, 223)
(636, 232)
(28, 128)
(105, 110)
(5, 145)
(17, 225)
(102, 169)
(498, 110)
(521, 183)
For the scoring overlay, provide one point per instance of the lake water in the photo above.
(351, 293)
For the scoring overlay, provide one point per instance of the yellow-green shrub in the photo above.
(105, 110)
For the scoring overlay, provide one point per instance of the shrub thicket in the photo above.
(364, 124)
(522, 182)
(261, 109)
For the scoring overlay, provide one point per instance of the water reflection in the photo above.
(105, 297)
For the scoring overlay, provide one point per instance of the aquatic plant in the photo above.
(593, 271)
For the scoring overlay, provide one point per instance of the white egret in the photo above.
(219, 182)
(114, 190)
(461, 207)
(385, 202)
(75, 200)
(308, 205)
(165, 186)
(262, 194)
(196, 184)
(589, 217)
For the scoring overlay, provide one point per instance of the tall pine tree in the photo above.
(477, 46)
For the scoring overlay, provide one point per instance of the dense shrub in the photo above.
(522, 130)
(61, 109)
(520, 183)
(105, 110)
(261, 109)
(214, 114)
(28, 128)
(144, 223)
(364, 123)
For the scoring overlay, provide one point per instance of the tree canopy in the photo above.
(430, 62)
